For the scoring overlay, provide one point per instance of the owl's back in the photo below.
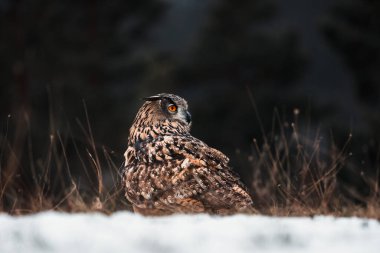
(172, 174)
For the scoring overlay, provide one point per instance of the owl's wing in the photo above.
(184, 174)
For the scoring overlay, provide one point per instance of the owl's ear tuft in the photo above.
(152, 98)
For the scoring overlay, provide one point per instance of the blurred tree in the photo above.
(239, 44)
(78, 48)
(353, 29)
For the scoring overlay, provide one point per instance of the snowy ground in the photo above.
(127, 232)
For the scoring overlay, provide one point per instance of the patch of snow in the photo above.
(127, 232)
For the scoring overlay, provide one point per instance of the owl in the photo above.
(167, 170)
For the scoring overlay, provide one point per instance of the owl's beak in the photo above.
(188, 117)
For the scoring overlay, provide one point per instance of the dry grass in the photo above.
(295, 172)
(69, 177)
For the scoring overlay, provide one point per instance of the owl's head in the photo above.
(166, 106)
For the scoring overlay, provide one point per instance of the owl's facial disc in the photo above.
(175, 111)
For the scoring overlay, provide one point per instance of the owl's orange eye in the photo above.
(172, 108)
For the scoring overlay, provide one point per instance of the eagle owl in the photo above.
(167, 170)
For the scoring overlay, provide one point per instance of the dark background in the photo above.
(321, 57)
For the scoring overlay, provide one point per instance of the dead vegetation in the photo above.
(295, 172)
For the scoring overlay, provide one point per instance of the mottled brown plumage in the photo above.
(169, 171)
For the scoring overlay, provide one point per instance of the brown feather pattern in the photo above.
(169, 171)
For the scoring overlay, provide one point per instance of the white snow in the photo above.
(126, 232)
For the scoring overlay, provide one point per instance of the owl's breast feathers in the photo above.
(179, 173)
